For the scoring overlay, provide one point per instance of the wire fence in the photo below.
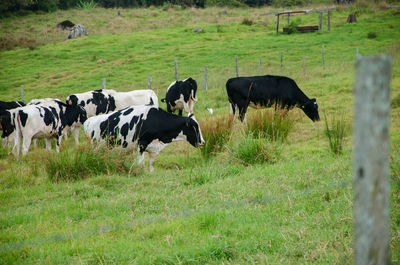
(148, 220)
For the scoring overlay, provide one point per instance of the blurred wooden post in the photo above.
(288, 18)
(176, 69)
(259, 66)
(149, 82)
(277, 24)
(22, 93)
(205, 78)
(304, 65)
(281, 61)
(320, 22)
(323, 57)
(237, 68)
(371, 160)
(103, 83)
(329, 20)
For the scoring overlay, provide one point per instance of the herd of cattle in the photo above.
(135, 119)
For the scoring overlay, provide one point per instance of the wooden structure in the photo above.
(304, 28)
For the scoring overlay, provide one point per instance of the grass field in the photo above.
(295, 208)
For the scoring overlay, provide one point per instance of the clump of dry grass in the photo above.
(269, 124)
(216, 132)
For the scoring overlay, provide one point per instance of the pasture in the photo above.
(292, 206)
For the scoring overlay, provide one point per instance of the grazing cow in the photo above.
(4, 120)
(150, 127)
(266, 91)
(44, 121)
(181, 95)
(105, 100)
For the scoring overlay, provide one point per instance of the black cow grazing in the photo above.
(150, 127)
(266, 91)
(181, 95)
(66, 24)
(44, 121)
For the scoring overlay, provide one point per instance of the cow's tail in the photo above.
(16, 121)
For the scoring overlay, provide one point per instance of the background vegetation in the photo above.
(254, 200)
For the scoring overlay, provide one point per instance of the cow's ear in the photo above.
(313, 100)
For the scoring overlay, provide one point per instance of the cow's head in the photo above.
(193, 88)
(75, 114)
(72, 100)
(192, 132)
(311, 109)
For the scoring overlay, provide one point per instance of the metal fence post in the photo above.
(371, 160)
(176, 69)
(237, 67)
(205, 78)
(22, 93)
(103, 83)
(149, 82)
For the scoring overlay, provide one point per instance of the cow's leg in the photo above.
(152, 158)
(26, 143)
(17, 144)
(242, 113)
(35, 142)
(48, 143)
(186, 107)
(75, 132)
(180, 112)
(58, 143)
(140, 159)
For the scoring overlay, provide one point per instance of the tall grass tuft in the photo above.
(216, 132)
(85, 162)
(251, 150)
(272, 125)
(336, 130)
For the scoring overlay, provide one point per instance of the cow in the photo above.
(181, 95)
(266, 91)
(107, 100)
(44, 121)
(5, 106)
(150, 127)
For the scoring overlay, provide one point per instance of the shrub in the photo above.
(336, 131)
(82, 4)
(396, 102)
(371, 35)
(85, 162)
(292, 27)
(272, 125)
(216, 132)
(247, 21)
(255, 150)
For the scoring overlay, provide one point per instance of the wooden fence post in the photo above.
(205, 78)
(277, 24)
(22, 93)
(176, 69)
(103, 83)
(149, 82)
(237, 67)
(281, 61)
(371, 160)
(288, 18)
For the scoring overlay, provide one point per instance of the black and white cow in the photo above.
(44, 121)
(151, 128)
(107, 100)
(181, 95)
(266, 91)
(5, 106)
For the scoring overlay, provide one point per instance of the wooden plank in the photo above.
(277, 24)
(371, 160)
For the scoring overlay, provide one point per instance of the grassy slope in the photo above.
(305, 217)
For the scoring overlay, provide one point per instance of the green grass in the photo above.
(292, 209)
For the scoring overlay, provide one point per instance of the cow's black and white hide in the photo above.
(5, 106)
(44, 121)
(151, 128)
(106, 100)
(266, 91)
(181, 95)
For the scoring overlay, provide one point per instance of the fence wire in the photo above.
(148, 220)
